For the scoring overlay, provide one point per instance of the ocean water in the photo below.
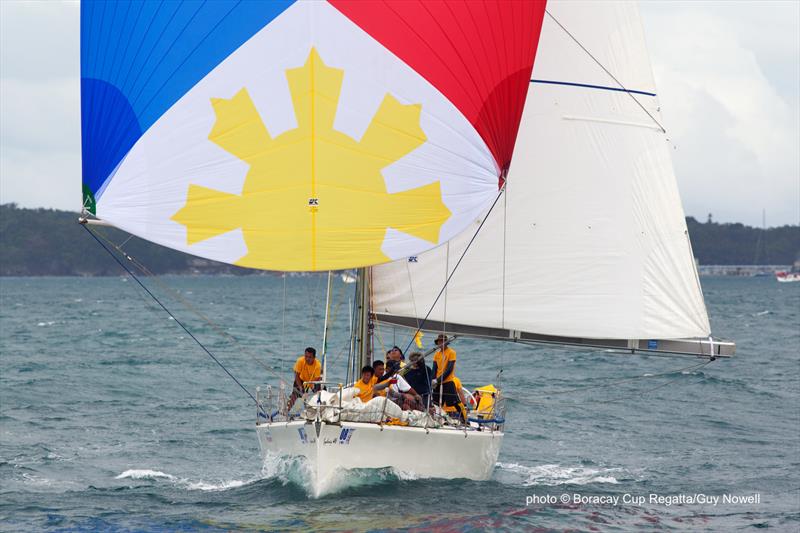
(112, 419)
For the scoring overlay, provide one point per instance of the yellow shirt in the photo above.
(308, 372)
(442, 360)
(451, 408)
(364, 390)
(374, 382)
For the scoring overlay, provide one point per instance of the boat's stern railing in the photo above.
(271, 406)
(264, 404)
(495, 417)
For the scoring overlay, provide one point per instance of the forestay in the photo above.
(589, 240)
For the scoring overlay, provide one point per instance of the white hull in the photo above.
(439, 453)
(787, 277)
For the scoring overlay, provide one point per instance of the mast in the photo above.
(325, 328)
(363, 342)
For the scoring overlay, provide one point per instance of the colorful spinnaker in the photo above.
(301, 135)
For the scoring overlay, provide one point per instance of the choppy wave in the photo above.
(223, 485)
(143, 474)
(295, 471)
(156, 475)
(557, 475)
(36, 482)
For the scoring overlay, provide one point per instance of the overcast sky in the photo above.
(728, 77)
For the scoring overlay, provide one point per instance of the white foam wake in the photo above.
(223, 485)
(154, 475)
(143, 474)
(556, 474)
(297, 471)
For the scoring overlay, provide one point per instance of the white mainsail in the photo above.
(589, 240)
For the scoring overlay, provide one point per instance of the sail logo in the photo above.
(345, 435)
(309, 187)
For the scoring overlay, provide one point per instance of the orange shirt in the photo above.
(308, 372)
(364, 390)
(442, 360)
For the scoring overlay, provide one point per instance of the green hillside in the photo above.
(48, 242)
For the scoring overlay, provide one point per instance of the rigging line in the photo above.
(505, 252)
(606, 70)
(336, 306)
(411, 289)
(455, 268)
(310, 294)
(377, 325)
(380, 336)
(283, 327)
(370, 315)
(340, 352)
(188, 305)
(153, 296)
(352, 355)
(446, 268)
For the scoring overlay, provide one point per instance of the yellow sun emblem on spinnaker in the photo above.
(314, 198)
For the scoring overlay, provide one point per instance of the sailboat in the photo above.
(789, 276)
(378, 136)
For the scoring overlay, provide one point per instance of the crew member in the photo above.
(378, 369)
(444, 372)
(307, 369)
(463, 395)
(400, 392)
(396, 354)
(364, 385)
(419, 376)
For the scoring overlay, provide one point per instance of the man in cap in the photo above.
(444, 373)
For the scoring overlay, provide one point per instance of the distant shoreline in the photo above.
(122, 274)
(50, 243)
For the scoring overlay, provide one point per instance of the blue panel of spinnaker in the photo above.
(139, 57)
